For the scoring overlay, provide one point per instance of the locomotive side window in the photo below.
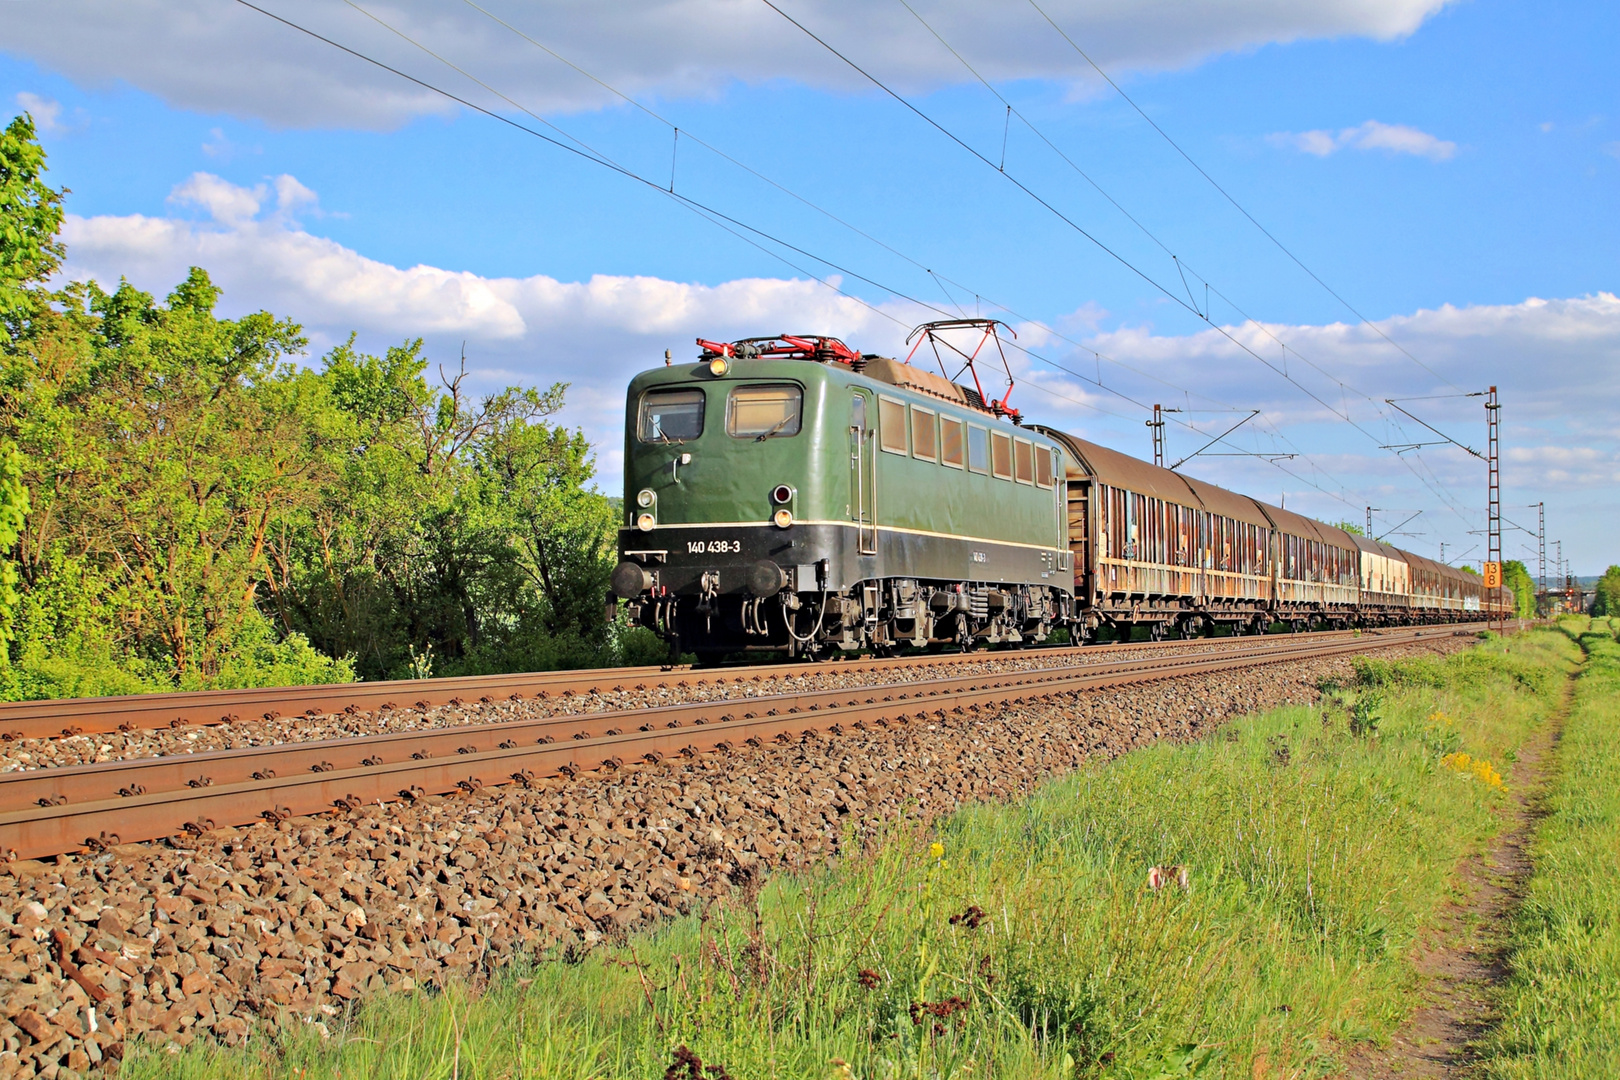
(764, 411)
(978, 449)
(951, 447)
(1024, 461)
(1001, 455)
(922, 434)
(670, 416)
(1043, 467)
(892, 425)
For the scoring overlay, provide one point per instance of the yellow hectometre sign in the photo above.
(1493, 575)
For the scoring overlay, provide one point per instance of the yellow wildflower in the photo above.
(937, 850)
(1477, 767)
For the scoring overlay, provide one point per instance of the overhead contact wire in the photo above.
(1166, 292)
(1181, 264)
(939, 278)
(711, 214)
(1163, 290)
(1228, 197)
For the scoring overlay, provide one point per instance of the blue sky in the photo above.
(1452, 170)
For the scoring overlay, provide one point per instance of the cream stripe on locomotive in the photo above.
(670, 526)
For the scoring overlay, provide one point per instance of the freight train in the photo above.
(792, 495)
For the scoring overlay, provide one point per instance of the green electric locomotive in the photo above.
(792, 495)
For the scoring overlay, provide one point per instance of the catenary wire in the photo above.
(1225, 194)
(941, 279)
(711, 214)
(715, 216)
(743, 225)
(583, 150)
(1013, 110)
(1163, 290)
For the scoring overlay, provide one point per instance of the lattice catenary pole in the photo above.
(1493, 412)
(1541, 542)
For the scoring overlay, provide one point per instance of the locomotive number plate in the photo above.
(713, 547)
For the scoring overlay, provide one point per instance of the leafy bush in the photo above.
(185, 502)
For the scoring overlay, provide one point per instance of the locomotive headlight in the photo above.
(719, 366)
(645, 522)
(644, 498)
(782, 494)
(783, 518)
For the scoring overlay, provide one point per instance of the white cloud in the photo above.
(1371, 135)
(292, 195)
(222, 148)
(215, 57)
(225, 202)
(45, 111)
(47, 114)
(536, 329)
(1556, 361)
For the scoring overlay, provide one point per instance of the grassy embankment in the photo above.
(1021, 940)
(1561, 1011)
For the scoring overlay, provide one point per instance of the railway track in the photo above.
(88, 716)
(52, 811)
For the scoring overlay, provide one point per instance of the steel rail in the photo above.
(39, 831)
(58, 785)
(135, 712)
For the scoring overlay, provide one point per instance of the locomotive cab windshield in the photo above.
(764, 410)
(671, 415)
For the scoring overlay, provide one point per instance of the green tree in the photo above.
(13, 515)
(1516, 577)
(163, 443)
(30, 215)
(450, 525)
(563, 531)
(183, 503)
(1606, 595)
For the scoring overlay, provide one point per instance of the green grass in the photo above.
(1561, 1013)
(1320, 842)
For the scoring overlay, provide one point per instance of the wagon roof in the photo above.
(1420, 563)
(1121, 470)
(1309, 528)
(1218, 500)
(1378, 547)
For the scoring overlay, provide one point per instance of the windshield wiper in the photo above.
(780, 424)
